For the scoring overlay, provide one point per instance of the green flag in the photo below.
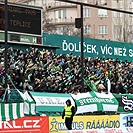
(94, 101)
(29, 104)
(11, 111)
(125, 102)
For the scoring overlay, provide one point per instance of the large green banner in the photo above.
(125, 102)
(85, 102)
(50, 102)
(94, 101)
(92, 47)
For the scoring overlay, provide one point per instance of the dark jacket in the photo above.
(72, 109)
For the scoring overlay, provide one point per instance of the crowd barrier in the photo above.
(122, 123)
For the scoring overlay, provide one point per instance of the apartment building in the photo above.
(12, 0)
(59, 18)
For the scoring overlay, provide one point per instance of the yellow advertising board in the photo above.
(57, 125)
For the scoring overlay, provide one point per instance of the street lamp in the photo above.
(6, 41)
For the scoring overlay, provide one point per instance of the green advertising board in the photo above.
(92, 47)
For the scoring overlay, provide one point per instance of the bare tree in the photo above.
(50, 26)
(123, 22)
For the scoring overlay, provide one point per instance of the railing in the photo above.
(59, 4)
(61, 20)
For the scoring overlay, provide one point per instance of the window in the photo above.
(118, 29)
(36, 2)
(87, 29)
(102, 29)
(100, 2)
(131, 9)
(60, 14)
(86, 12)
(31, 3)
(97, 2)
(118, 14)
(103, 2)
(102, 13)
(44, 1)
(131, 28)
(86, 1)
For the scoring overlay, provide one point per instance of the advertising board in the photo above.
(21, 38)
(57, 125)
(126, 120)
(92, 47)
(35, 124)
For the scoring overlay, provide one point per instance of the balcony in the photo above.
(55, 5)
(60, 21)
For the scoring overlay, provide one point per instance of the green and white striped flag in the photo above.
(29, 104)
(11, 111)
(94, 101)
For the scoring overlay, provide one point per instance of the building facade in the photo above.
(59, 18)
(12, 0)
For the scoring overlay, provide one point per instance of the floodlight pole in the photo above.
(82, 49)
(6, 42)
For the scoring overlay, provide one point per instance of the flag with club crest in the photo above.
(94, 101)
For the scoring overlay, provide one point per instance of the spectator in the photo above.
(44, 71)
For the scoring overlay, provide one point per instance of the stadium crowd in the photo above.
(44, 71)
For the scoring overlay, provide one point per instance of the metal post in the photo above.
(82, 49)
(6, 41)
